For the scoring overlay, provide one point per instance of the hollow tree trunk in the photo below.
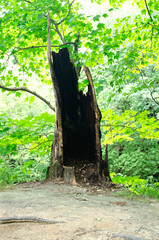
(77, 132)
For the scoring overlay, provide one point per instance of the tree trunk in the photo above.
(77, 132)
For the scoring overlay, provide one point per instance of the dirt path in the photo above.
(87, 213)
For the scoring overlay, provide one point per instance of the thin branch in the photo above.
(27, 1)
(151, 92)
(69, 10)
(76, 43)
(49, 41)
(58, 31)
(142, 26)
(15, 89)
(152, 37)
(32, 47)
(56, 24)
(40, 144)
(61, 25)
(56, 27)
(134, 129)
(117, 125)
(49, 48)
(148, 11)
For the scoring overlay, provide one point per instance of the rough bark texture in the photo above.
(77, 132)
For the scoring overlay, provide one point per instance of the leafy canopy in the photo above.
(91, 40)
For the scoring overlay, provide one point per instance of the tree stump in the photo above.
(77, 131)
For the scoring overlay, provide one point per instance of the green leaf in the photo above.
(105, 15)
(111, 83)
(100, 25)
(18, 94)
(96, 18)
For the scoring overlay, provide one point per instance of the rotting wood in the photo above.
(77, 127)
(55, 170)
(97, 116)
(69, 175)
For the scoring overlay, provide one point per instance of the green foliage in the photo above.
(25, 147)
(130, 48)
(31, 131)
(100, 40)
(153, 3)
(122, 127)
(139, 157)
(123, 50)
(142, 187)
(15, 171)
(24, 37)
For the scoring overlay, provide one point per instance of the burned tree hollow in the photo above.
(77, 132)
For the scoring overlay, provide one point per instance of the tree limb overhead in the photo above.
(15, 89)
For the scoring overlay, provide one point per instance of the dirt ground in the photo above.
(87, 213)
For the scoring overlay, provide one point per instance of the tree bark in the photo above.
(77, 132)
(105, 166)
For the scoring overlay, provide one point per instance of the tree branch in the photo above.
(148, 11)
(151, 20)
(58, 31)
(49, 42)
(32, 47)
(69, 10)
(27, 1)
(56, 24)
(151, 92)
(117, 125)
(49, 48)
(152, 37)
(15, 89)
(39, 144)
(56, 27)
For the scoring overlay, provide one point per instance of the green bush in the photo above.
(13, 171)
(137, 158)
(142, 187)
(25, 148)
